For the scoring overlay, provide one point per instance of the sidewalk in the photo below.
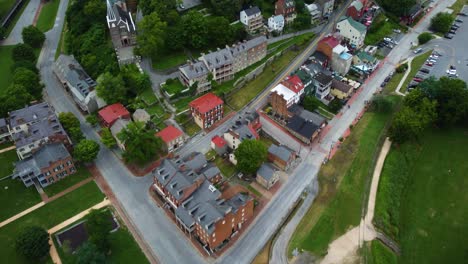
(397, 90)
(23, 213)
(7, 149)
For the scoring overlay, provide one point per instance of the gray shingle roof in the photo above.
(30, 114)
(282, 152)
(302, 127)
(218, 58)
(194, 70)
(323, 79)
(2, 122)
(307, 115)
(36, 131)
(69, 69)
(252, 11)
(266, 171)
(41, 159)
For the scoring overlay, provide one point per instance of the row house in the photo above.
(177, 178)
(287, 8)
(327, 7)
(220, 64)
(315, 13)
(341, 90)
(78, 83)
(247, 53)
(252, 19)
(352, 31)
(34, 126)
(212, 218)
(172, 137)
(238, 133)
(206, 110)
(276, 23)
(195, 72)
(355, 10)
(341, 60)
(49, 164)
(282, 156)
(327, 44)
(267, 175)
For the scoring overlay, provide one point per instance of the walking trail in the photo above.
(397, 90)
(7, 149)
(53, 251)
(345, 247)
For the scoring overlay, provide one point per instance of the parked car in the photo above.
(397, 31)
(430, 64)
(418, 50)
(433, 56)
(387, 79)
(425, 70)
(437, 53)
(455, 26)
(462, 14)
(383, 84)
(452, 31)
(418, 80)
(432, 60)
(458, 20)
(448, 36)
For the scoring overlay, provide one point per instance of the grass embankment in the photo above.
(47, 216)
(81, 174)
(378, 253)
(344, 182)
(416, 64)
(123, 248)
(381, 27)
(5, 6)
(61, 47)
(422, 198)
(169, 60)
(46, 19)
(458, 6)
(5, 67)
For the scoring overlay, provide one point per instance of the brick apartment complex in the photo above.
(111, 113)
(287, 8)
(49, 164)
(222, 64)
(186, 185)
(206, 110)
(252, 19)
(35, 126)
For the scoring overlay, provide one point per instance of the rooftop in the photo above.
(218, 141)
(282, 152)
(284, 91)
(39, 130)
(301, 126)
(294, 83)
(218, 58)
(42, 158)
(113, 112)
(69, 69)
(169, 134)
(266, 171)
(355, 24)
(322, 78)
(307, 115)
(205, 103)
(118, 17)
(30, 114)
(341, 86)
(252, 11)
(194, 69)
(357, 4)
(331, 41)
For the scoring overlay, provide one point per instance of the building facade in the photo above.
(206, 110)
(276, 23)
(281, 156)
(355, 10)
(172, 137)
(267, 175)
(352, 31)
(122, 30)
(252, 19)
(287, 8)
(327, 7)
(322, 84)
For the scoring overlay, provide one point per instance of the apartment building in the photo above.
(249, 52)
(352, 31)
(195, 72)
(287, 8)
(322, 83)
(49, 164)
(252, 19)
(206, 110)
(220, 64)
(172, 137)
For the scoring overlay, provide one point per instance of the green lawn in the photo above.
(227, 168)
(415, 66)
(48, 216)
(393, 83)
(7, 160)
(156, 109)
(380, 254)
(422, 197)
(46, 19)
(148, 97)
(169, 60)
(61, 47)
(15, 197)
(458, 5)
(380, 29)
(191, 128)
(81, 174)
(182, 104)
(124, 248)
(344, 182)
(5, 6)
(174, 87)
(5, 67)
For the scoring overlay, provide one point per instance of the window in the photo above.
(214, 234)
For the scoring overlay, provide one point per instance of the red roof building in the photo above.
(218, 141)
(207, 110)
(172, 137)
(327, 44)
(294, 84)
(111, 113)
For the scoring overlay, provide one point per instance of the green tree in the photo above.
(227, 8)
(442, 22)
(195, 29)
(86, 150)
(397, 7)
(335, 105)
(381, 104)
(14, 97)
(23, 52)
(33, 243)
(33, 36)
(29, 80)
(135, 81)
(92, 119)
(107, 138)
(71, 124)
(250, 155)
(302, 21)
(220, 31)
(152, 35)
(424, 37)
(140, 144)
(88, 253)
(98, 226)
(26, 65)
(111, 88)
(310, 103)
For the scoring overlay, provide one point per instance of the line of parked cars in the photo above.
(455, 26)
(425, 70)
(387, 42)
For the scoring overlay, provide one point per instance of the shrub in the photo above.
(402, 68)
(441, 22)
(424, 38)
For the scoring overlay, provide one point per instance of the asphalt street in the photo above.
(339, 125)
(25, 20)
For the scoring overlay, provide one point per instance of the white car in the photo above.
(433, 56)
(452, 72)
(432, 60)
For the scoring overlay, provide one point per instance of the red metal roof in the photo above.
(294, 83)
(113, 112)
(206, 102)
(330, 41)
(218, 141)
(169, 133)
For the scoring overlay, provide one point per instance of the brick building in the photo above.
(206, 110)
(172, 137)
(287, 8)
(281, 156)
(327, 44)
(49, 164)
(355, 10)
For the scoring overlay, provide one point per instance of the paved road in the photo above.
(25, 20)
(401, 51)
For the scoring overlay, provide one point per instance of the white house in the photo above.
(288, 95)
(252, 19)
(276, 23)
(315, 12)
(352, 31)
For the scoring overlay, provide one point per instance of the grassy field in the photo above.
(380, 29)
(48, 216)
(344, 181)
(174, 87)
(169, 60)
(156, 109)
(5, 66)
(378, 253)
(81, 174)
(7, 160)
(124, 248)
(415, 66)
(427, 206)
(5, 6)
(148, 97)
(182, 104)
(46, 19)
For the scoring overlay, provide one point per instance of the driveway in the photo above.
(25, 20)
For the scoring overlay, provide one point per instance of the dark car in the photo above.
(383, 84)
(452, 31)
(418, 80)
(458, 20)
(381, 45)
(462, 14)
(456, 25)
(424, 70)
(448, 36)
(387, 79)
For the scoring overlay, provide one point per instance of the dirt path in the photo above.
(7, 149)
(23, 213)
(397, 90)
(345, 247)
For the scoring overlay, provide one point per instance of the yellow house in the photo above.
(340, 89)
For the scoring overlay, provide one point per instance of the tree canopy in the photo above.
(33, 36)
(14, 97)
(111, 88)
(141, 145)
(250, 155)
(33, 243)
(71, 124)
(23, 52)
(397, 7)
(152, 34)
(89, 253)
(86, 150)
(98, 226)
(29, 80)
(442, 22)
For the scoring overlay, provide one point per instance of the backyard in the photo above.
(48, 216)
(46, 19)
(81, 174)
(422, 197)
(343, 181)
(381, 27)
